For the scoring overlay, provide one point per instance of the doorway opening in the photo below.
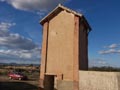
(49, 82)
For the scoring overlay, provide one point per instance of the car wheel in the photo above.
(20, 78)
(10, 77)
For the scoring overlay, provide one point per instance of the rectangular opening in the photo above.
(49, 82)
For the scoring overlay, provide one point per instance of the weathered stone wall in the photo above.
(94, 80)
(60, 45)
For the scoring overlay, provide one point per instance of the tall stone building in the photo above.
(64, 49)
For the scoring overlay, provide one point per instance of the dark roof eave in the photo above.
(87, 23)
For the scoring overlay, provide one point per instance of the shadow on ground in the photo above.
(17, 86)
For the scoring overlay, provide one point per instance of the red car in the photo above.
(17, 76)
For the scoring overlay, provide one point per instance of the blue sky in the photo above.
(21, 33)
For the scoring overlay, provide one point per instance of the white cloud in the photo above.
(113, 46)
(4, 28)
(98, 62)
(14, 40)
(6, 25)
(41, 13)
(39, 7)
(16, 47)
(34, 4)
(33, 54)
(102, 62)
(111, 49)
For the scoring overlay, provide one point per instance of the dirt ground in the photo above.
(30, 84)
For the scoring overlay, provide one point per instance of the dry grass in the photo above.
(30, 84)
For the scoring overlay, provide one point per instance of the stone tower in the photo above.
(64, 49)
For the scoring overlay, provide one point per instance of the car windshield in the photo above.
(20, 73)
(17, 73)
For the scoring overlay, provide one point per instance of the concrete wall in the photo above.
(65, 85)
(60, 45)
(92, 80)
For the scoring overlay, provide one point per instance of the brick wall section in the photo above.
(60, 45)
(76, 54)
(44, 53)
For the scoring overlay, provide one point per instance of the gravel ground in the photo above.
(6, 84)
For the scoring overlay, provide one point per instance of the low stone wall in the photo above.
(94, 80)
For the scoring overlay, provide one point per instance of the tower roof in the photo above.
(60, 8)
